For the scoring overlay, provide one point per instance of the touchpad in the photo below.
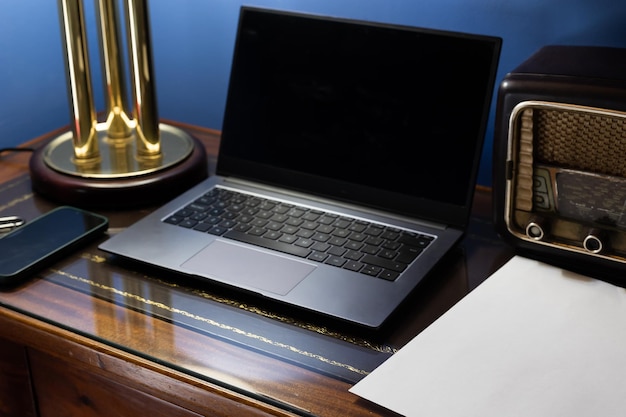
(239, 265)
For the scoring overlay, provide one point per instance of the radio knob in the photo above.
(536, 228)
(593, 241)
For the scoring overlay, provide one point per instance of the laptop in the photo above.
(346, 167)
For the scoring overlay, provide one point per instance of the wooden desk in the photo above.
(93, 337)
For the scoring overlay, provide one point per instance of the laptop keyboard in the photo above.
(369, 248)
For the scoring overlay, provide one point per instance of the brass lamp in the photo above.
(128, 158)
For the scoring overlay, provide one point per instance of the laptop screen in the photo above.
(386, 116)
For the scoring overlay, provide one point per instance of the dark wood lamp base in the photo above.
(98, 188)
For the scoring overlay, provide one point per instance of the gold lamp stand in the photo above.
(122, 161)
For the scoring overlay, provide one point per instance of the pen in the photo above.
(8, 223)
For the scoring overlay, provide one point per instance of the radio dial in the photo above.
(593, 241)
(536, 228)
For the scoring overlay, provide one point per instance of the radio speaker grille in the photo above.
(581, 140)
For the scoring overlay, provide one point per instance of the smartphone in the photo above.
(40, 242)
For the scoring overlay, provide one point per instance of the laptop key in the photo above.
(256, 231)
(353, 266)
(370, 249)
(288, 238)
(272, 234)
(202, 227)
(353, 255)
(173, 220)
(305, 233)
(418, 241)
(390, 235)
(389, 275)
(327, 219)
(279, 218)
(387, 254)
(337, 251)
(335, 261)
(371, 270)
(353, 245)
(199, 216)
(373, 230)
(197, 207)
(303, 242)
(184, 213)
(337, 241)
(391, 245)
(320, 246)
(276, 226)
(311, 216)
(217, 230)
(243, 227)
(228, 224)
(187, 223)
(318, 256)
(212, 220)
(281, 209)
(408, 254)
(376, 241)
(294, 221)
(323, 228)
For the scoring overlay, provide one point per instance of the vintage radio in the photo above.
(560, 159)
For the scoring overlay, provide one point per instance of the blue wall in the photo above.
(193, 41)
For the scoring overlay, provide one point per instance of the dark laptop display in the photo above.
(372, 114)
(346, 168)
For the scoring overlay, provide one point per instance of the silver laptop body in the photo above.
(377, 125)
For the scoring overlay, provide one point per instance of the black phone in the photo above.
(40, 242)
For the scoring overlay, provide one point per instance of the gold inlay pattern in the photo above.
(227, 327)
(14, 184)
(253, 309)
(16, 201)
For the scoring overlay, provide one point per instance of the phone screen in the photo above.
(40, 240)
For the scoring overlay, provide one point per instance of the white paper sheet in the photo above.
(531, 341)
